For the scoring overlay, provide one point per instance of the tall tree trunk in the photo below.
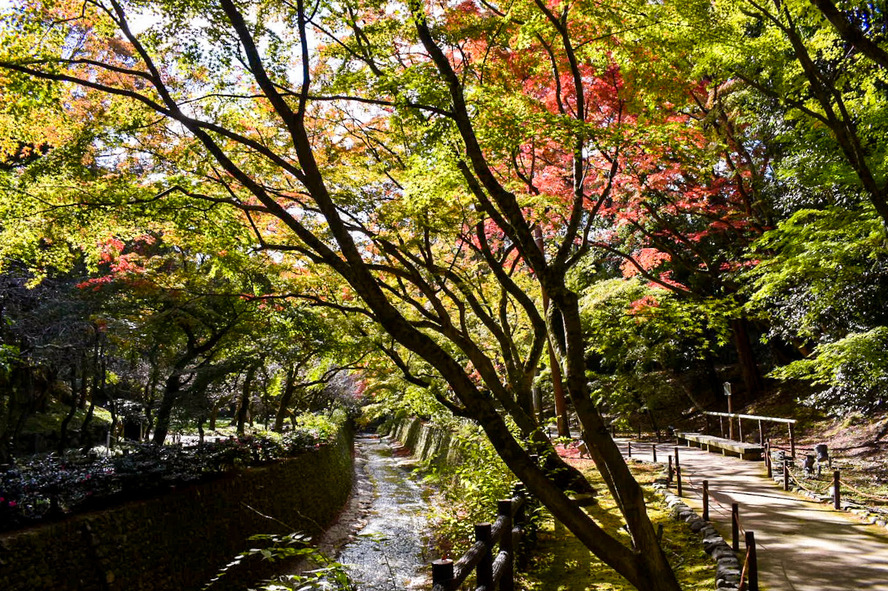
(538, 404)
(286, 398)
(78, 391)
(652, 569)
(748, 367)
(115, 422)
(561, 421)
(162, 420)
(243, 408)
(98, 389)
(214, 412)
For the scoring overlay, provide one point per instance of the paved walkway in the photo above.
(802, 545)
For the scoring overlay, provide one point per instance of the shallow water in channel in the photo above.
(390, 552)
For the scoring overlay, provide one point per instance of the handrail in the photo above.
(448, 575)
(734, 415)
(759, 419)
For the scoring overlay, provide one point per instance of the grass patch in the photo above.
(561, 563)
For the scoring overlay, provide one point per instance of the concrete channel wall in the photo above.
(180, 540)
(427, 443)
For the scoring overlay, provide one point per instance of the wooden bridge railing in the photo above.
(493, 572)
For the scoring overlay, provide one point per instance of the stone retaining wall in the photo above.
(180, 540)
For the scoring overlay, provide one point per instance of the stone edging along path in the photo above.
(727, 571)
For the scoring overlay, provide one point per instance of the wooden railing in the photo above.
(749, 567)
(493, 572)
(759, 420)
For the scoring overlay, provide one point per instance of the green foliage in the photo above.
(630, 323)
(328, 576)
(854, 370)
(823, 284)
(470, 489)
(8, 355)
(386, 395)
(822, 273)
(321, 426)
(640, 337)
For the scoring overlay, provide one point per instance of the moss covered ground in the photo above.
(561, 563)
(50, 421)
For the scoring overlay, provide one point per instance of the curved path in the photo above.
(802, 545)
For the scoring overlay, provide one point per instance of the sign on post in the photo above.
(730, 410)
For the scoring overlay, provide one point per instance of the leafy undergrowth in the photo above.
(560, 562)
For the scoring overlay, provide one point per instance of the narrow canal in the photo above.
(390, 552)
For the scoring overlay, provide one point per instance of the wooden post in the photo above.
(730, 410)
(654, 452)
(740, 427)
(752, 571)
(485, 566)
(721, 427)
(791, 442)
(768, 459)
(678, 480)
(676, 458)
(785, 474)
(442, 574)
(735, 527)
(705, 500)
(519, 522)
(519, 518)
(761, 433)
(504, 510)
(837, 493)
(669, 469)
(629, 448)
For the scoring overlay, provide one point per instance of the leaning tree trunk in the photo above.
(652, 569)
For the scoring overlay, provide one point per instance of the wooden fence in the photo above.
(749, 572)
(493, 571)
(758, 419)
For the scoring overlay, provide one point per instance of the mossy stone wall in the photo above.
(180, 540)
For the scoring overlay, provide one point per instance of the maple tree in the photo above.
(802, 86)
(810, 70)
(450, 177)
(239, 120)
